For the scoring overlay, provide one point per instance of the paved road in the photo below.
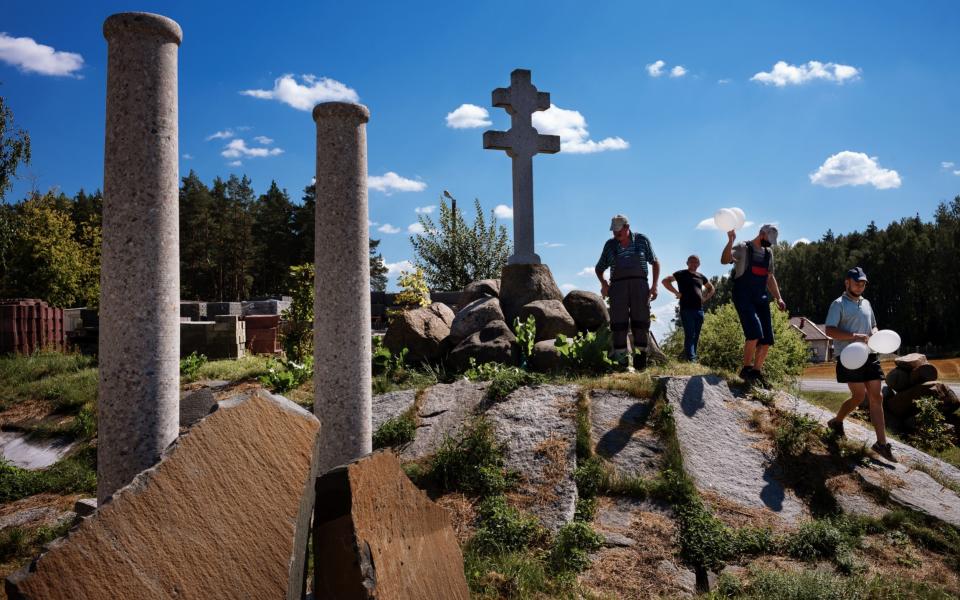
(828, 385)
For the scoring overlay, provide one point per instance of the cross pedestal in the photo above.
(521, 143)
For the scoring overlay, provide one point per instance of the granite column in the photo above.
(140, 279)
(341, 331)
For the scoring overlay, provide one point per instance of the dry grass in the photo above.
(949, 369)
(462, 514)
(899, 558)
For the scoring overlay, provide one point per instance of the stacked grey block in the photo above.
(140, 278)
(341, 331)
(215, 309)
(224, 337)
(193, 311)
(265, 307)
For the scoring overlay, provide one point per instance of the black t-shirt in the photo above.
(690, 285)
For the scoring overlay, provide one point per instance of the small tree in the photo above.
(298, 339)
(452, 253)
(378, 269)
(14, 148)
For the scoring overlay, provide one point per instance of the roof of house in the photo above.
(811, 331)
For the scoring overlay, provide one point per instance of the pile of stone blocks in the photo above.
(913, 378)
(262, 337)
(224, 337)
(265, 306)
(28, 325)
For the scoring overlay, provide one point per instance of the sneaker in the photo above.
(884, 451)
(640, 360)
(759, 378)
(836, 427)
(746, 374)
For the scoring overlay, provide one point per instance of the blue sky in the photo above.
(858, 123)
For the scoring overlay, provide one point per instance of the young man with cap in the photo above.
(850, 319)
(691, 296)
(752, 279)
(627, 255)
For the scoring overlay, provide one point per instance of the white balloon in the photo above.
(725, 219)
(884, 341)
(741, 216)
(855, 355)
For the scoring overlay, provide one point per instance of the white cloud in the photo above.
(800, 241)
(854, 168)
(264, 140)
(655, 69)
(678, 71)
(723, 81)
(586, 271)
(388, 228)
(552, 244)
(371, 223)
(237, 148)
(468, 116)
(956, 172)
(947, 164)
(571, 126)
(390, 182)
(502, 211)
(221, 135)
(783, 74)
(307, 95)
(567, 287)
(187, 157)
(664, 321)
(235, 163)
(425, 210)
(31, 57)
(395, 268)
(415, 228)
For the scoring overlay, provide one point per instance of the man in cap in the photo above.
(850, 319)
(627, 255)
(752, 280)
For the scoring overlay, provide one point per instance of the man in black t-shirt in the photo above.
(692, 297)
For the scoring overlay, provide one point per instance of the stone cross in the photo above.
(521, 142)
(139, 375)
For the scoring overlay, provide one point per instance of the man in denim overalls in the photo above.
(752, 279)
(627, 256)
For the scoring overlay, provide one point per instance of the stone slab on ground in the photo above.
(908, 486)
(391, 405)
(718, 449)
(443, 410)
(537, 427)
(226, 509)
(196, 403)
(616, 516)
(620, 433)
(379, 536)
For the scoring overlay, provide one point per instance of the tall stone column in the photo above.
(140, 279)
(341, 330)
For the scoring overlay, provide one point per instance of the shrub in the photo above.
(471, 462)
(190, 365)
(930, 430)
(395, 432)
(504, 528)
(817, 539)
(586, 509)
(285, 375)
(570, 548)
(526, 336)
(506, 380)
(721, 344)
(704, 540)
(297, 340)
(587, 351)
(414, 292)
(795, 434)
(590, 476)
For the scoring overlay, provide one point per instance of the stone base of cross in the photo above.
(521, 143)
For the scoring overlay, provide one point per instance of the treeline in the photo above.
(913, 285)
(234, 244)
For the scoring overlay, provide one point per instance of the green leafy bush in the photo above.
(471, 462)
(571, 547)
(526, 337)
(395, 432)
(587, 352)
(590, 477)
(297, 338)
(930, 429)
(795, 433)
(817, 539)
(190, 365)
(503, 528)
(704, 540)
(285, 375)
(721, 344)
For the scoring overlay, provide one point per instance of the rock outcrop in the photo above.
(420, 331)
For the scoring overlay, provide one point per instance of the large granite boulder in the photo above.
(494, 343)
(910, 361)
(551, 317)
(523, 284)
(588, 310)
(421, 331)
(898, 379)
(473, 317)
(483, 288)
(903, 404)
(545, 357)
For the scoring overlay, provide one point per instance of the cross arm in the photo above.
(546, 144)
(498, 140)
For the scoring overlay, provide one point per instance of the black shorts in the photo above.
(870, 371)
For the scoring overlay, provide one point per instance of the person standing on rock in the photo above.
(752, 280)
(692, 297)
(851, 319)
(627, 255)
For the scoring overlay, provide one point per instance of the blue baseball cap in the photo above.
(856, 274)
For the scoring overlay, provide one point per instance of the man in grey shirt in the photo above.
(850, 319)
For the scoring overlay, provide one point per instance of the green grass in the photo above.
(17, 543)
(821, 585)
(828, 400)
(76, 473)
(248, 367)
(69, 380)
(397, 431)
